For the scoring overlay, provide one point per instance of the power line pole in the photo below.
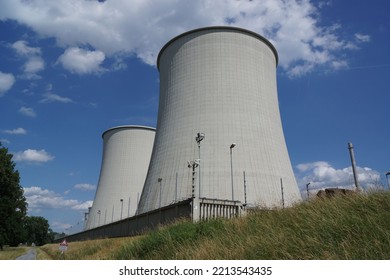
(353, 162)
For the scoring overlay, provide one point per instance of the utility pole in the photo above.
(195, 211)
(307, 190)
(281, 188)
(353, 162)
(159, 180)
(245, 202)
(231, 167)
(121, 200)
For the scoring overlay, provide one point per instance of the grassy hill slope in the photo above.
(348, 227)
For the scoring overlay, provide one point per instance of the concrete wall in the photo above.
(136, 224)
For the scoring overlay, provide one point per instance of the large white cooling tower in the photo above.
(220, 81)
(126, 157)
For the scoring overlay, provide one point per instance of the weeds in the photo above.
(346, 227)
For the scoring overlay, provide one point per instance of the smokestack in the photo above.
(353, 162)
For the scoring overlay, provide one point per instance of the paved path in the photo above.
(30, 255)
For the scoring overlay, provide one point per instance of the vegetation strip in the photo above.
(346, 227)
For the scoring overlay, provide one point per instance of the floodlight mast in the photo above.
(199, 137)
(121, 200)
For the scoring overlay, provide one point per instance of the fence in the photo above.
(217, 208)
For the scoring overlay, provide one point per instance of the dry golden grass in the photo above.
(11, 253)
(99, 249)
(42, 255)
(354, 227)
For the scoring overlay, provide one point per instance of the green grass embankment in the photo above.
(348, 227)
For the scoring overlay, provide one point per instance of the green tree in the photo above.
(13, 205)
(37, 231)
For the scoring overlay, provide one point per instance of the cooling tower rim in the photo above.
(232, 28)
(139, 127)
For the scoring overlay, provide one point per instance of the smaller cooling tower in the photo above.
(125, 161)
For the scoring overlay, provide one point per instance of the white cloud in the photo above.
(23, 49)
(82, 205)
(32, 156)
(6, 82)
(20, 131)
(60, 226)
(362, 37)
(36, 191)
(32, 66)
(321, 175)
(34, 62)
(141, 28)
(29, 112)
(85, 187)
(80, 61)
(38, 197)
(341, 64)
(5, 141)
(51, 97)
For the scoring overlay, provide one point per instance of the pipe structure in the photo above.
(353, 162)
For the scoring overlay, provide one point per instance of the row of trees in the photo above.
(15, 226)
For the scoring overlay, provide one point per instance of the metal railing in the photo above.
(219, 208)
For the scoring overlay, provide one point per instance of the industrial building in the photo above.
(219, 146)
(219, 136)
(125, 161)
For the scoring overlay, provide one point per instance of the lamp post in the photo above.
(307, 190)
(159, 180)
(121, 200)
(231, 167)
(199, 137)
(387, 178)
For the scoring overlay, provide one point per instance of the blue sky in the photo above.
(69, 70)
